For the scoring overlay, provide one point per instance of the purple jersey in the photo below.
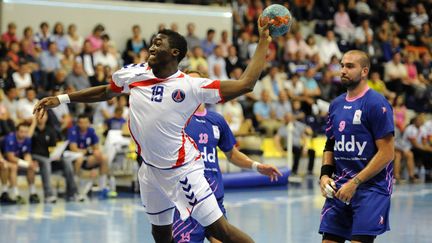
(355, 125)
(83, 140)
(19, 148)
(209, 131)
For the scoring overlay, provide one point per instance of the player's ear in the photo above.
(175, 52)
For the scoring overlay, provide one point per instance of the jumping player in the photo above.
(357, 172)
(162, 99)
(209, 130)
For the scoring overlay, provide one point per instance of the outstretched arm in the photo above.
(233, 88)
(243, 161)
(89, 95)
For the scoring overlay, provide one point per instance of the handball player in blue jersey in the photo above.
(357, 171)
(210, 130)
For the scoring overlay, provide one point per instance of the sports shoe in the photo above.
(6, 199)
(20, 200)
(107, 193)
(34, 198)
(50, 199)
(76, 198)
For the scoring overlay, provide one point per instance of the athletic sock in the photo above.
(32, 189)
(103, 181)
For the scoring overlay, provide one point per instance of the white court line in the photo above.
(95, 212)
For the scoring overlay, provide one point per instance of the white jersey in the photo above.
(160, 110)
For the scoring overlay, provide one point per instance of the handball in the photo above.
(280, 19)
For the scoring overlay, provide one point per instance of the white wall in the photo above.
(117, 16)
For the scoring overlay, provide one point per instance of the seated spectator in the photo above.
(59, 81)
(362, 31)
(75, 41)
(424, 68)
(419, 17)
(116, 122)
(197, 60)
(232, 111)
(106, 55)
(27, 44)
(265, 115)
(49, 63)
(400, 113)
(372, 48)
(422, 153)
(6, 80)
(59, 36)
(134, 45)
(10, 102)
(379, 86)
(42, 38)
(214, 59)
(282, 105)
(329, 47)
(343, 24)
(43, 138)
(296, 44)
(403, 150)
(233, 60)
(191, 39)
(77, 80)
(395, 74)
(10, 34)
(224, 43)
(83, 139)
(311, 91)
(273, 82)
(68, 58)
(95, 39)
(26, 105)
(104, 111)
(12, 56)
(8, 175)
(99, 78)
(300, 134)
(22, 79)
(86, 58)
(17, 148)
(208, 44)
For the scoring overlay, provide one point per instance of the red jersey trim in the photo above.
(115, 88)
(133, 137)
(152, 81)
(215, 85)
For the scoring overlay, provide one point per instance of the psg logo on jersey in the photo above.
(178, 95)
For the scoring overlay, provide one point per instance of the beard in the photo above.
(350, 84)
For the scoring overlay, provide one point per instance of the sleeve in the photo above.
(28, 147)
(207, 90)
(72, 135)
(94, 137)
(121, 78)
(329, 124)
(381, 118)
(227, 140)
(9, 145)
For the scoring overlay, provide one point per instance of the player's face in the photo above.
(160, 51)
(352, 71)
(22, 132)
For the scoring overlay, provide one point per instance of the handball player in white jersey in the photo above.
(162, 100)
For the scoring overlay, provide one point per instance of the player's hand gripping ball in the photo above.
(279, 19)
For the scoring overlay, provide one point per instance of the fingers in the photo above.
(329, 191)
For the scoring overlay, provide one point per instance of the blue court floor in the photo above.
(271, 215)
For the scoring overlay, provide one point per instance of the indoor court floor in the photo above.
(271, 215)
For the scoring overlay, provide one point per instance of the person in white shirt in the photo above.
(162, 99)
(26, 104)
(329, 47)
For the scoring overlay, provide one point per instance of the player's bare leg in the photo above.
(162, 233)
(227, 233)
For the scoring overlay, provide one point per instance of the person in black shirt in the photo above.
(44, 137)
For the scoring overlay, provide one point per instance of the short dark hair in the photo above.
(22, 124)
(83, 116)
(176, 41)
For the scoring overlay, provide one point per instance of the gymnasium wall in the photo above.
(117, 16)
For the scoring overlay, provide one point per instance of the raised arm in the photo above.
(233, 88)
(89, 95)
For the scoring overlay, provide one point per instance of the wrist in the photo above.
(63, 98)
(327, 170)
(356, 181)
(255, 165)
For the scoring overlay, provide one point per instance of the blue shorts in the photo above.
(190, 230)
(367, 214)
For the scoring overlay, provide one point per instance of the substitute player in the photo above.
(357, 172)
(162, 99)
(210, 130)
